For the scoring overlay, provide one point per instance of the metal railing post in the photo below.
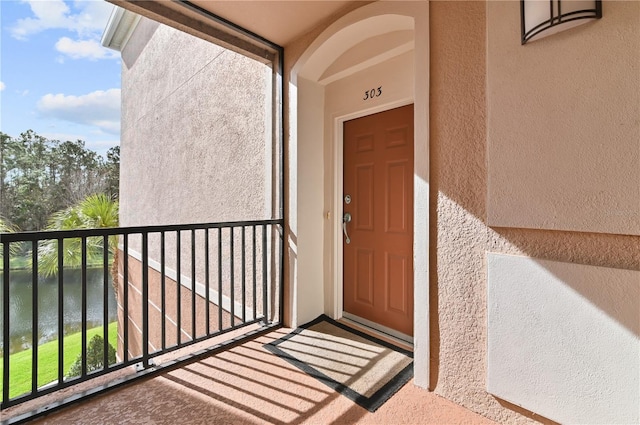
(34, 317)
(207, 281)
(105, 301)
(265, 295)
(145, 300)
(83, 272)
(60, 311)
(232, 272)
(244, 277)
(125, 298)
(6, 325)
(163, 307)
(193, 284)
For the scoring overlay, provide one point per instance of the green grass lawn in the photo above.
(20, 363)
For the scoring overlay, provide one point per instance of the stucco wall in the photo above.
(196, 148)
(460, 233)
(564, 123)
(564, 339)
(196, 143)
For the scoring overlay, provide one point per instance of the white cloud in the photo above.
(2, 86)
(84, 49)
(100, 109)
(48, 14)
(85, 18)
(88, 17)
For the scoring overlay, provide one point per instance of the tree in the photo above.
(94, 212)
(4, 144)
(112, 167)
(25, 183)
(6, 227)
(79, 172)
(39, 176)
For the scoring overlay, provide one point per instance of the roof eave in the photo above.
(119, 28)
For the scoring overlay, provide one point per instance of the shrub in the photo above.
(95, 357)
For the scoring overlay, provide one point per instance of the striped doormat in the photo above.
(363, 368)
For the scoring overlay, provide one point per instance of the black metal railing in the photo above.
(151, 290)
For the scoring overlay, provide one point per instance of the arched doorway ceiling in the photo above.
(350, 45)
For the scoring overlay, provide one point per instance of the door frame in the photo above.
(338, 181)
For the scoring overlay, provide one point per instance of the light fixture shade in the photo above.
(540, 18)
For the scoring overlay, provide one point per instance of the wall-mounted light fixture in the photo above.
(540, 18)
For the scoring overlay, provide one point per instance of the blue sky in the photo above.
(55, 77)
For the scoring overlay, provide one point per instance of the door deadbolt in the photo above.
(347, 199)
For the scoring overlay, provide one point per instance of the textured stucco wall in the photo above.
(195, 142)
(564, 123)
(458, 187)
(564, 339)
(196, 148)
(460, 233)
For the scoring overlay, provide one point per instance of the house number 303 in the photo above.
(370, 94)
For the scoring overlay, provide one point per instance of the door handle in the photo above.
(346, 219)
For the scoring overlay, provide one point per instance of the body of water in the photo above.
(21, 305)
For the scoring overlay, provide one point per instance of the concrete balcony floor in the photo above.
(248, 385)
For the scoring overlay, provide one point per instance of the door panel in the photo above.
(378, 175)
(396, 192)
(397, 266)
(364, 277)
(364, 193)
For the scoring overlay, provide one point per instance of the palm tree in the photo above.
(94, 212)
(6, 227)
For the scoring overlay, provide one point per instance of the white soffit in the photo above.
(119, 28)
(280, 22)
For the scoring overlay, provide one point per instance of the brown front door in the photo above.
(378, 194)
